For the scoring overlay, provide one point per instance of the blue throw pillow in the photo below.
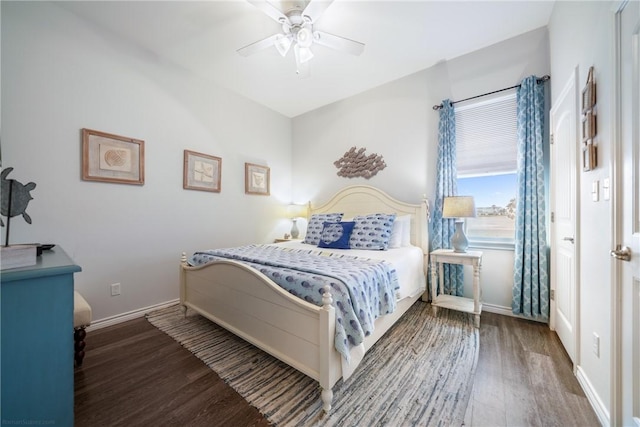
(316, 225)
(372, 232)
(336, 235)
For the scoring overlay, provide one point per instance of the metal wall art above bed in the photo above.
(355, 163)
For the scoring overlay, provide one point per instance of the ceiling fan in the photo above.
(297, 30)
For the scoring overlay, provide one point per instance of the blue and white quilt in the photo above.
(362, 289)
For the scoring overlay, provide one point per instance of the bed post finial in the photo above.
(327, 300)
(183, 258)
(427, 207)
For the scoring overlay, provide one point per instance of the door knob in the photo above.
(568, 239)
(622, 253)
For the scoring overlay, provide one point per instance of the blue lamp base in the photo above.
(459, 241)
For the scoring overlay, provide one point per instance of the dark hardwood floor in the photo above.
(135, 375)
(524, 377)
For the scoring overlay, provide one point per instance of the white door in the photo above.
(564, 125)
(626, 254)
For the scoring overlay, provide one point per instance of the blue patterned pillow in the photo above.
(336, 235)
(372, 232)
(316, 224)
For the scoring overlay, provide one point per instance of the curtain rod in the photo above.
(540, 80)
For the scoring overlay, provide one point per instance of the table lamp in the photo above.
(459, 207)
(296, 211)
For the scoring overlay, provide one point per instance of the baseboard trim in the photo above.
(598, 406)
(498, 309)
(123, 317)
(505, 311)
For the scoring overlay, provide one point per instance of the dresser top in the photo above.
(52, 262)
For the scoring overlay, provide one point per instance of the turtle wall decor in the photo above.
(14, 199)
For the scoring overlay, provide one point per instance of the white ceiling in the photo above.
(401, 38)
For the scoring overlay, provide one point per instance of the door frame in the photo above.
(617, 225)
(571, 81)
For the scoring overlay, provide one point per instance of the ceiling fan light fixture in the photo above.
(297, 29)
(304, 37)
(303, 54)
(283, 44)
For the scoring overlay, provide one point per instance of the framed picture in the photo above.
(201, 172)
(593, 154)
(112, 158)
(589, 93)
(586, 161)
(589, 156)
(256, 179)
(589, 130)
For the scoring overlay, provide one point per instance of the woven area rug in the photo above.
(420, 373)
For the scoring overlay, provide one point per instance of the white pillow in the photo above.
(406, 230)
(401, 232)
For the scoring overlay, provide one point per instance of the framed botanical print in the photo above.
(201, 172)
(256, 179)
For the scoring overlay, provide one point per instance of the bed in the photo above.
(249, 304)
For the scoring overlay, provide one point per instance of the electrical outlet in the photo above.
(115, 289)
(596, 344)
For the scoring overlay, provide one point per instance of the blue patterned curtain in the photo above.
(446, 185)
(531, 281)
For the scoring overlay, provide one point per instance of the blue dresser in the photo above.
(37, 341)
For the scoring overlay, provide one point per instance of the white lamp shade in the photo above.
(297, 210)
(459, 207)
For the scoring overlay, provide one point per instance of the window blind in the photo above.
(487, 137)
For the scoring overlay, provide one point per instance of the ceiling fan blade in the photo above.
(271, 11)
(259, 45)
(315, 8)
(338, 43)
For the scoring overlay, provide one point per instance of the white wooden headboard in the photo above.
(364, 199)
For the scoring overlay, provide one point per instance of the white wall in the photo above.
(397, 121)
(581, 34)
(61, 74)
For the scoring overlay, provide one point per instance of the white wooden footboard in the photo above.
(252, 306)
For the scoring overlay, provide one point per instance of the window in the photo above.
(486, 139)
